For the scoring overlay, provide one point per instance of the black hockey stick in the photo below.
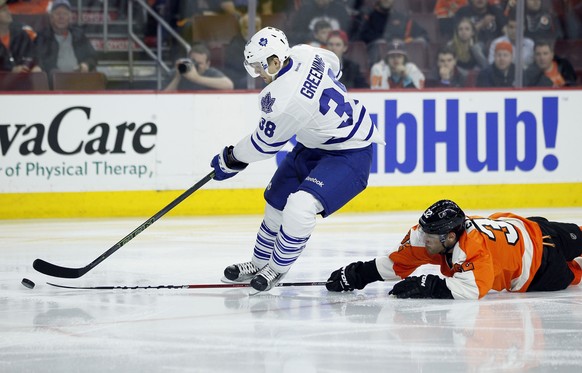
(194, 286)
(64, 272)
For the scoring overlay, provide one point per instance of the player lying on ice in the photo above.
(475, 254)
(328, 167)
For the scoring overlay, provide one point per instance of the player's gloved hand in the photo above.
(425, 286)
(226, 165)
(353, 276)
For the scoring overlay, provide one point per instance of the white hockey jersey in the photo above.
(307, 100)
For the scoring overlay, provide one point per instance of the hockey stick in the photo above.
(195, 286)
(65, 272)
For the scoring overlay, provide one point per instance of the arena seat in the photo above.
(214, 29)
(77, 81)
(23, 81)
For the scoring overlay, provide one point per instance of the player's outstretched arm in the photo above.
(226, 165)
(425, 286)
(353, 276)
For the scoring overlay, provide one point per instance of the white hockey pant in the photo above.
(283, 234)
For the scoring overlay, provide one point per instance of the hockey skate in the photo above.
(240, 272)
(265, 280)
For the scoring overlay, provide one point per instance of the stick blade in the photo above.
(57, 271)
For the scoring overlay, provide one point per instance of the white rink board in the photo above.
(110, 142)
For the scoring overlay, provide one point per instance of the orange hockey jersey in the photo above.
(503, 251)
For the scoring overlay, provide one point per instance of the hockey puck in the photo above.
(26, 282)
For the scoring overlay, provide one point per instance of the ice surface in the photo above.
(291, 329)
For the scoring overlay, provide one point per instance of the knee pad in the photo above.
(273, 218)
(299, 214)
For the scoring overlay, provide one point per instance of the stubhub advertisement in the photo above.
(126, 141)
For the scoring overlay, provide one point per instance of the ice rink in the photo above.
(290, 329)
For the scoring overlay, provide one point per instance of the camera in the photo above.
(185, 65)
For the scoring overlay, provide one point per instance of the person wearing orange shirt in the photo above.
(476, 255)
(17, 52)
(549, 70)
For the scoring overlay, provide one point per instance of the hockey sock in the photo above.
(576, 268)
(265, 242)
(298, 224)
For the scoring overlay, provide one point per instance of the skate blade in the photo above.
(227, 281)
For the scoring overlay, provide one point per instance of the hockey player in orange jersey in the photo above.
(475, 255)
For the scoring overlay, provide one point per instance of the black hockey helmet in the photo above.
(442, 217)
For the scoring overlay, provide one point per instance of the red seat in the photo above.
(357, 52)
(471, 80)
(23, 81)
(571, 50)
(217, 56)
(430, 23)
(418, 54)
(214, 30)
(77, 81)
(277, 20)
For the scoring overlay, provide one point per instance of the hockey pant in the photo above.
(561, 258)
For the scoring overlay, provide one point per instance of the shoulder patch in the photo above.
(267, 103)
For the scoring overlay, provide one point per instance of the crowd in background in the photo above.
(383, 44)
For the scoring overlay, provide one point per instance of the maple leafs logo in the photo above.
(263, 42)
(267, 103)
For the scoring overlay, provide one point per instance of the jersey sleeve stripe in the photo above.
(260, 150)
(273, 145)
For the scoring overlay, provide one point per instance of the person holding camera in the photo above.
(195, 73)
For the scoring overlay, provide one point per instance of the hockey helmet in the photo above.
(442, 217)
(267, 42)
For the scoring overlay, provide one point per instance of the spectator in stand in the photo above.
(352, 77)
(233, 50)
(540, 22)
(310, 12)
(394, 71)
(17, 52)
(321, 31)
(62, 46)
(467, 48)
(510, 31)
(549, 70)
(445, 11)
(488, 19)
(195, 73)
(448, 74)
(501, 73)
(384, 24)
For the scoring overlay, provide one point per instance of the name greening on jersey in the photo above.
(313, 78)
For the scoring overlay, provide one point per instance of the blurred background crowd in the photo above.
(198, 44)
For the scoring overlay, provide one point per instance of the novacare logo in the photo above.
(315, 181)
(101, 138)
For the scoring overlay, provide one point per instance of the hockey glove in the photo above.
(425, 286)
(353, 276)
(226, 165)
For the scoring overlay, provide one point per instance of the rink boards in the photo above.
(127, 154)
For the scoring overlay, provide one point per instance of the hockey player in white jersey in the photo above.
(328, 167)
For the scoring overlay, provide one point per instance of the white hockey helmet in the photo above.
(265, 43)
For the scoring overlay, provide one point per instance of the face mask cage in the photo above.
(254, 69)
(423, 235)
